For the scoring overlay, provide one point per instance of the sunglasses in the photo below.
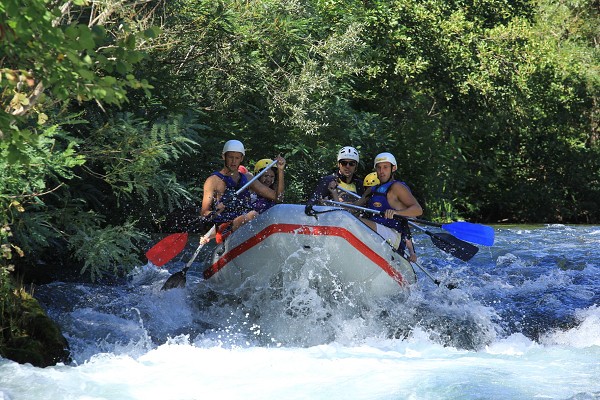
(346, 163)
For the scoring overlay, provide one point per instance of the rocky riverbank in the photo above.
(28, 334)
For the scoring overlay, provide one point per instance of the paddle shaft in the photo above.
(436, 281)
(468, 231)
(429, 223)
(365, 209)
(206, 236)
(433, 279)
(349, 192)
(443, 241)
(251, 181)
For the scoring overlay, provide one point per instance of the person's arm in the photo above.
(280, 183)
(403, 201)
(210, 196)
(333, 193)
(262, 190)
(413, 208)
(321, 190)
(365, 197)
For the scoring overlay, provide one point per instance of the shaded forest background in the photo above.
(114, 112)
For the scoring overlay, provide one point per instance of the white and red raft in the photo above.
(332, 245)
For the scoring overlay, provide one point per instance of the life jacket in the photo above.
(322, 192)
(235, 205)
(261, 204)
(347, 186)
(378, 201)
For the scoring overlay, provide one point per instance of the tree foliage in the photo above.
(108, 123)
(55, 58)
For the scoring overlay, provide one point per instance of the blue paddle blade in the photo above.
(475, 233)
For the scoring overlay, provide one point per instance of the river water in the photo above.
(522, 323)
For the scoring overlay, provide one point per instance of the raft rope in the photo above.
(311, 212)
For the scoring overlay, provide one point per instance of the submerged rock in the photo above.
(30, 336)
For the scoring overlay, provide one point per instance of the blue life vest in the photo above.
(235, 205)
(378, 201)
(262, 204)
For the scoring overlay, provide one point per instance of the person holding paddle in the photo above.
(221, 203)
(271, 178)
(345, 177)
(393, 198)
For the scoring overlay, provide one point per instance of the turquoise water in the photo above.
(523, 323)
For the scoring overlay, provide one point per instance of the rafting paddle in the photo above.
(475, 233)
(435, 280)
(164, 251)
(443, 241)
(450, 244)
(177, 280)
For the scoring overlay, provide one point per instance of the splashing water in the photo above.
(524, 323)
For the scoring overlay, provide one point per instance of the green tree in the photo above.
(50, 57)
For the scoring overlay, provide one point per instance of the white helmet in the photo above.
(385, 157)
(234, 145)
(348, 153)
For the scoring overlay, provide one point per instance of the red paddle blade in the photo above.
(164, 251)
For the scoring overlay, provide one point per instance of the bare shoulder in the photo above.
(400, 187)
(213, 182)
(402, 192)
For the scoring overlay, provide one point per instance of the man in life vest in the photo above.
(393, 198)
(345, 177)
(220, 202)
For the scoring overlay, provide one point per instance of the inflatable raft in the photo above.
(275, 246)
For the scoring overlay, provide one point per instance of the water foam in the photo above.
(585, 334)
